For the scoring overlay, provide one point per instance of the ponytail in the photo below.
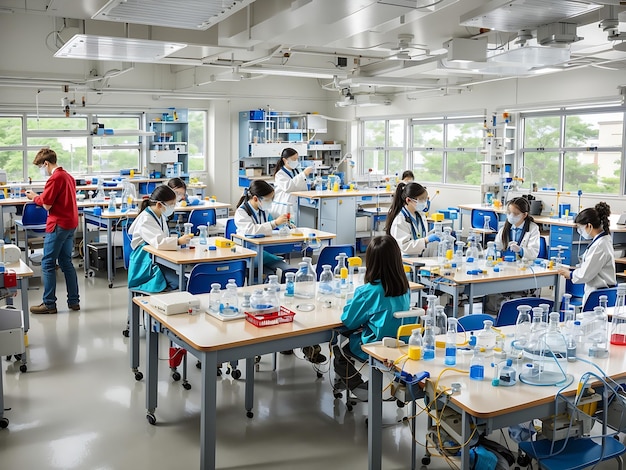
(604, 211)
(161, 193)
(258, 188)
(597, 216)
(286, 153)
(411, 190)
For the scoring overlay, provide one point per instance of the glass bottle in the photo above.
(415, 345)
(256, 300)
(428, 340)
(618, 322)
(325, 286)
(270, 298)
(289, 284)
(215, 297)
(111, 201)
(188, 226)
(99, 197)
(522, 326)
(486, 338)
(445, 247)
(229, 306)
(458, 254)
(441, 320)
(477, 363)
(178, 229)
(284, 231)
(486, 225)
(341, 263)
(304, 286)
(566, 301)
(571, 341)
(599, 334)
(490, 256)
(308, 260)
(555, 343)
(450, 358)
(203, 234)
(273, 282)
(2, 258)
(603, 301)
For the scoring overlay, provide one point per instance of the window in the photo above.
(11, 147)
(110, 153)
(571, 150)
(197, 140)
(383, 147)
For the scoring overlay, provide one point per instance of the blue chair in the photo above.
(577, 291)
(508, 310)
(594, 298)
(474, 321)
(327, 256)
(230, 229)
(543, 249)
(202, 217)
(33, 223)
(204, 274)
(477, 218)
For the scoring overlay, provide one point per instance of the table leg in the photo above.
(557, 297)
(208, 414)
(181, 277)
(413, 430)
(466, 433)
(85, 248)
(249, 396)
(152, 370)
(110, 257)
(375, 419)
(133, 326)
(470, 308)
(260, 266)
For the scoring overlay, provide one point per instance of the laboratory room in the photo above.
(297, 234)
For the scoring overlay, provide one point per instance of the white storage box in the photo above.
(173, 303)
(163, 156)
(11, 332)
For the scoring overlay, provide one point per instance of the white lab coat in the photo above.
(156, 233)
(597, 269)
(246, 225)
(286, 182)
(401, 231)
(529, 243)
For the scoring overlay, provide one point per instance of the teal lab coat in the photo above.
(370, 310)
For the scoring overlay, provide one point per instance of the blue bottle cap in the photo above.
(212, 248)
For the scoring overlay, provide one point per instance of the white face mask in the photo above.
(168, 211)
(583, 233)
(420, 206)
(43, 170)
(264, 203)
(513, 219)
(293, 165)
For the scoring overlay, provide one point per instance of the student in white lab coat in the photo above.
(406, 221)
(150, 227)
(520, 234)
(597, 268)
(289, 178)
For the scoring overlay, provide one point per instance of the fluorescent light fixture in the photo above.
(531, 56)
(83, 46)
(390, 81)
(184, 14)
(363, 101)
(294, 71)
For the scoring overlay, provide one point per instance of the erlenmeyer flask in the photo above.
(618, 322)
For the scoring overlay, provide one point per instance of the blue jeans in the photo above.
(59, 245)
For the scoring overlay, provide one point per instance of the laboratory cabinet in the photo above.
(168, 153)
(333, 214)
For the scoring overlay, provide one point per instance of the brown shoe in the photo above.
(43, 308)
(74, 307)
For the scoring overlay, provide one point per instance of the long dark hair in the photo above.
(161, 193)
(258, 188)
(284, 155)
(384, 264)
(523, 205)
(597, 216)
(176, 183)
(404, 190)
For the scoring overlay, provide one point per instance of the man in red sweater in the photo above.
(59, 199)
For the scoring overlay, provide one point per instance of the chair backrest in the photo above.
(34, 215)
(327, 256)
(202, 217)
(474, 321)
(543, 248)
(576, 290)
(508, 310)
(594, 298)
(478, 219)
(204, 274)
(230, 229)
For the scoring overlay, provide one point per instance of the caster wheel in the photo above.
(249, 414)
(4, 423)
(236, 374)
(425, 460)
(337, 394)
(151, 418)
(400, 403)
(90, 274)
(199, 365)
(9, 358)
(176, 376)
(18, 357)
(187, 386)
(126, 333)
(23, 368)
(138, 376)
(349, 406)
(110, 285)
(257, 359)
(319, 374)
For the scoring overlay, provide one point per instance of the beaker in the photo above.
(618, 323)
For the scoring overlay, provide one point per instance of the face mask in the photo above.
(513, 219)
(420, 206)
(583, 233)
(264, 203)
(168, 211)
(43, 170)
(293, 165)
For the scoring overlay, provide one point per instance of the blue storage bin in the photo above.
(147, 188)
(257, 115)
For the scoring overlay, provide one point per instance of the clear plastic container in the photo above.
(289, 284)
(486, 338)
(203, 234)
(428, 340)
(111, 201)
(229, 306)
(618, 322)
(450, 357)
(273, 282)
(477, 365)
(415, 345)
(270, 298)
(257, 300)
(304, 286)
(491, 255)
(325, 286)
(188, 227)
(341, 263)
(215, 297)
(522, 326)
(309, 263)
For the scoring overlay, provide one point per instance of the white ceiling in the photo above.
(388, 44)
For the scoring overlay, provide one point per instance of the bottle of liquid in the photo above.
(444, 247)
(270, 298)
(215, 297)
(341, 263)
(554, 340)
(415, 345)
(458, 254)
(178, 229)
(477, 363)
(304, 286)
(450, 358)
(522, 326)
(289, 284)
(309, 264)
(203, 234)
(618, 321)
(284, 231)
(273, 282)
(486, 338)
(2, 258)
(428, 340)
(257, 301)
(111, 201)
(599, 333)
(229, 306)
(490, 256)
(325, 286)
(99, 197)
(486, 226)
(571, 343)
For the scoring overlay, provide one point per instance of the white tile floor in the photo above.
(79, 407)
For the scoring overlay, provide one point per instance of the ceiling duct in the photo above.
(514, 15)
(557, 34)
(184, 14)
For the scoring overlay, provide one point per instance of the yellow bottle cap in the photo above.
(344, 273)
(355, 261)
